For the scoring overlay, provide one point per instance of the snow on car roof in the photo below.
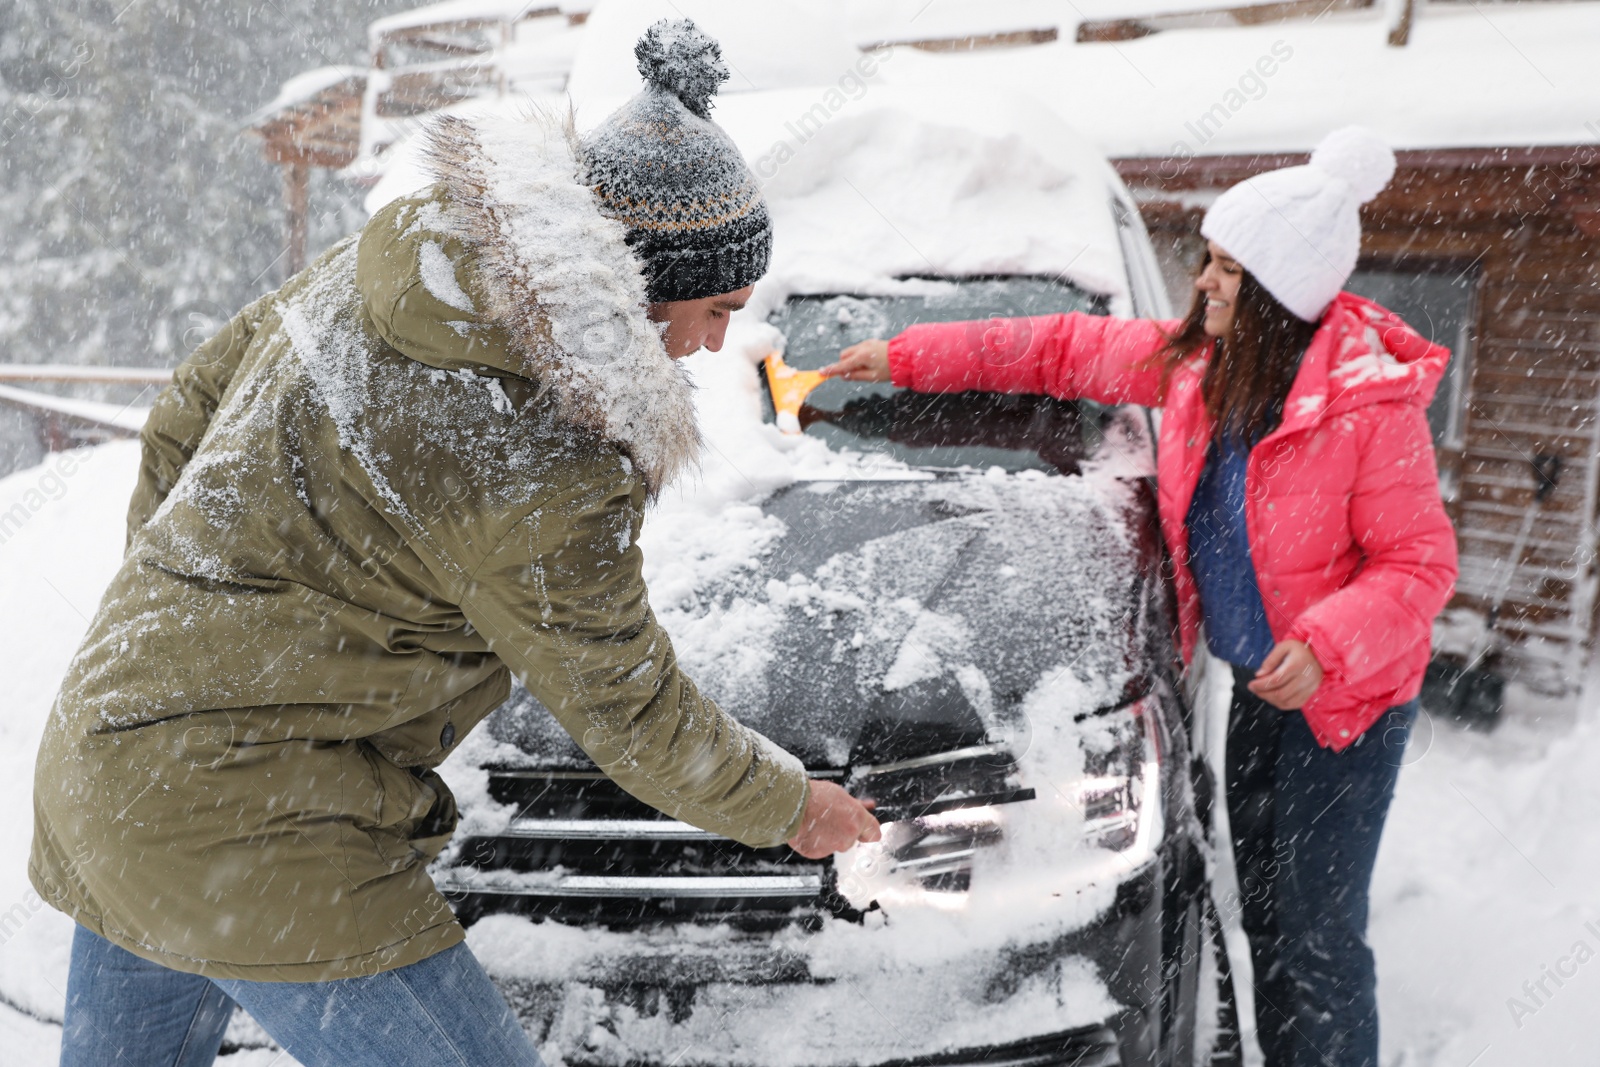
(885, 182)
(1506, 75)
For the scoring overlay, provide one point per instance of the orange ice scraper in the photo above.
(790, 388)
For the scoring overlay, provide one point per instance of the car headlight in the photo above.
(937, 813)
(1119, 793)
(928, 851)
(935, 852)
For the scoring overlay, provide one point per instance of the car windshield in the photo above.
(938, 430)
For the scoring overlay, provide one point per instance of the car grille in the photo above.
(580, 849)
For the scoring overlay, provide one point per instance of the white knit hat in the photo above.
(1298, 230)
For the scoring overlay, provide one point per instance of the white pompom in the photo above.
(1359, 156)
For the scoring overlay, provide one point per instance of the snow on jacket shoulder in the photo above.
(1354, 553)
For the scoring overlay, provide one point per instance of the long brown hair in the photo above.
(1249, 375)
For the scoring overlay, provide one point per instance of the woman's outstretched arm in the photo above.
(1067, 356)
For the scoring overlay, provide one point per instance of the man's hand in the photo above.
(833, 821)
(1288, 676)
(865, 362)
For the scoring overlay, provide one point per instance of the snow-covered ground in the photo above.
(1485, 919)
(1486, 881)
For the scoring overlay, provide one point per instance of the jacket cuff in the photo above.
(1332, 668)
(902, 364)
(799, 814)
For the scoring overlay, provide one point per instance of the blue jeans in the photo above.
(443, 1010)
(1306, 823)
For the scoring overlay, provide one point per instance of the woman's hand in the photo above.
(865, 362)
(1288, 676)
(833, 821)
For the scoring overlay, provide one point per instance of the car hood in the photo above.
(891, 619)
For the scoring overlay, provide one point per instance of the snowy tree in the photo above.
(137, 215)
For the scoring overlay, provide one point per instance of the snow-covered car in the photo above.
(953, 605)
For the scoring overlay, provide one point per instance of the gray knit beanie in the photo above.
(662, 168)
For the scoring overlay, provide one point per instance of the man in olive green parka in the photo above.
(419, 466)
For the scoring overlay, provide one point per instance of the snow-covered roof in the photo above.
(878, 21)
(455, 11)
(862, 21)
(1471, 76)
(1509, 76)
(305, 87)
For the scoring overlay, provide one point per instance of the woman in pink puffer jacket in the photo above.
(1299, 496)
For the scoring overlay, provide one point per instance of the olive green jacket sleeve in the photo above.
(561, 600)
(180, 415)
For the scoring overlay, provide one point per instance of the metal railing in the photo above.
(64, 422)
(44, 372)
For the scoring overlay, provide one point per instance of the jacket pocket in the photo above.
(402, 805)
(433, 831)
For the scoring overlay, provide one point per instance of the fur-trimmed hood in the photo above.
(510, 251)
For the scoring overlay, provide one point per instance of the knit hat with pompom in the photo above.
(1298, 230)
(662, 168)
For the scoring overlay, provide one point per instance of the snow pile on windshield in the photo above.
(708, 530)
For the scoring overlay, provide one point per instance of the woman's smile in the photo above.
(1219, 280)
